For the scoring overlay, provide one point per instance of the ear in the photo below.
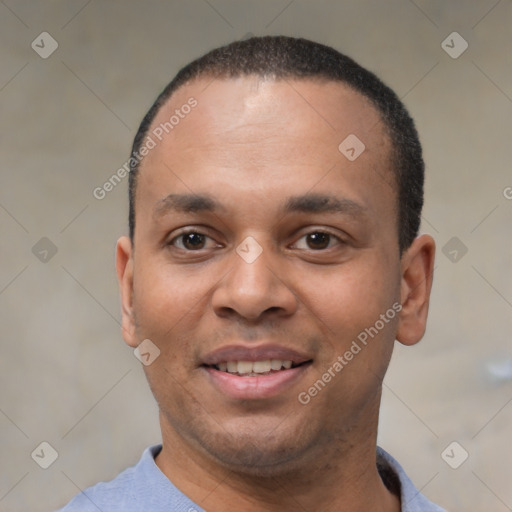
(417, 267)
(124, 267)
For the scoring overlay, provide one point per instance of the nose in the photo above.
(254, 287)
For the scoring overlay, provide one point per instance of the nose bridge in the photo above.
(252, 275)
(252, 285)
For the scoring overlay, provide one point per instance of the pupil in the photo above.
(319, 240)
(193, 240)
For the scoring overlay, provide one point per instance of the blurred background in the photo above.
(77, 76)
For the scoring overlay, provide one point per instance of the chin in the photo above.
(257, 445)
(256, 454)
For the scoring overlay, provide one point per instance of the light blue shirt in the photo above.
(144, 487)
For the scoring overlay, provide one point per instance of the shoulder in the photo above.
(141, 487)
(120, 494)
(412, 499)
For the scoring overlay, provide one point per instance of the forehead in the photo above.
(311, 109)
(250, 132)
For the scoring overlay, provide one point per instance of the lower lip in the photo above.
(246, 388)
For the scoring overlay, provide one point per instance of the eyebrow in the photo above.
(306, 203)
(323, 203)
(186, 203)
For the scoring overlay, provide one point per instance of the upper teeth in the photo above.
(244, 367)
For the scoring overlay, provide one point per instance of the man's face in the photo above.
(265, 157)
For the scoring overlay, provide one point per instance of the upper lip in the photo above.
(258, 353)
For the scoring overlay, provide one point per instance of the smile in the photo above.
(256, 380)
(254, 368)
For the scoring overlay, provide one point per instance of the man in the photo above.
(276, 189)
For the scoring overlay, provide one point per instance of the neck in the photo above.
(341, 476)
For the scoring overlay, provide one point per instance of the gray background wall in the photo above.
(67, 122)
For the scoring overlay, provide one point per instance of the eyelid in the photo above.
(339, 239)
(185, 231)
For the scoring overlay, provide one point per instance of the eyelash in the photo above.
(184, 233)
(316, 231)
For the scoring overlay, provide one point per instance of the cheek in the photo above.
(167, 306)
(353, 296)
(358, 340)
(165, 300)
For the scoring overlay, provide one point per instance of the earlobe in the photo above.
(417, 268)
(124, 268)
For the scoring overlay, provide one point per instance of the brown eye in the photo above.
(190, 241)
(193, 241)
(318, 240)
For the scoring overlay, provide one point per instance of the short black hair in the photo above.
(281, 57)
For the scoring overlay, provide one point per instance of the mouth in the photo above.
(242, 373)
(256, 368)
